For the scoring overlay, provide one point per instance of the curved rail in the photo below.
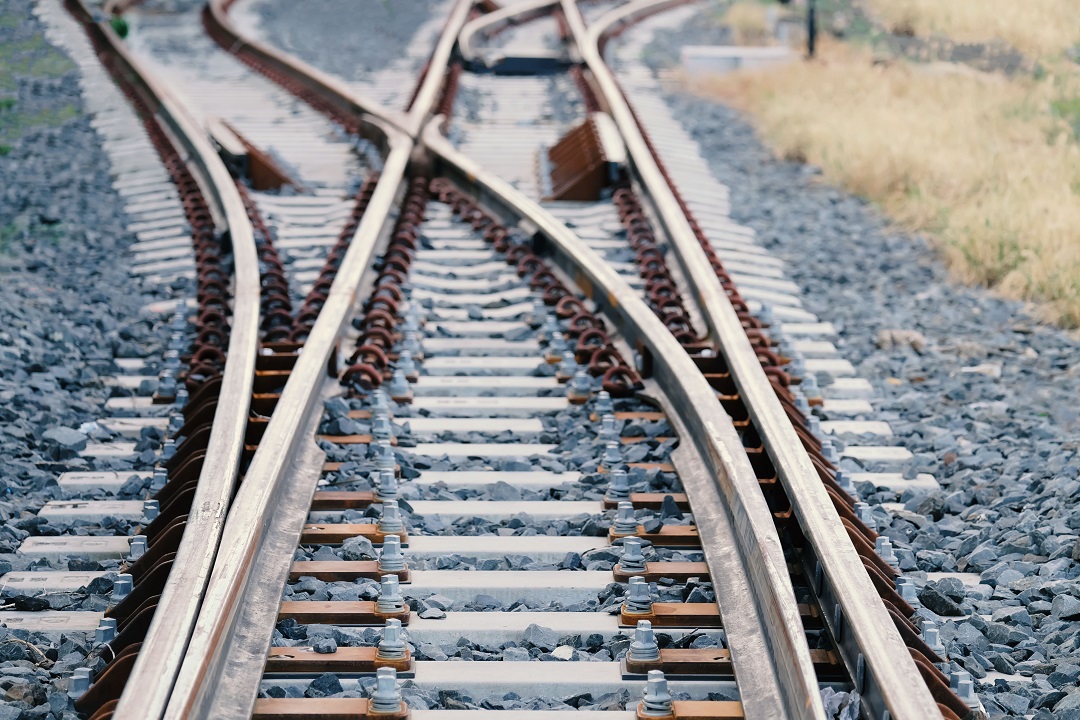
(871, 647)
(777, 650)
(163, 647)
(484, 24)
(225, 658)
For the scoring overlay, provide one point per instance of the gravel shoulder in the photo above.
(385, 30)
(68, 308)
(980, 392)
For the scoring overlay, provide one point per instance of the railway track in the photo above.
(458, 421)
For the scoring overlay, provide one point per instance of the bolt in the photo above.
(122, 586)
(407, 366)
(168, 449)
(961, 683)
(638, 598)
(387, 488)
(392, 643)
(386, 698)
(580, 387)
(644, 647)
(905, 587)
(608, 430)
(172, 360)
(550, 327)
(182, 397)
(151, 509)
(801, 403)
(178, 322)
(765, 315)
(411, 344)
(844, 481)
(161, 476)
(167, 385)
(828, 451)
(931, 636)
(385, 458)
(390, 600)
(632, 560)
(555, 349)
(863, 512)
(604, 406)
(612, 456)
(399, 388)
(538, 313)
(390, 523)
(625, 522)
(176, 421)
(619, 486)
(379, 402)
(106, 630)
(813, 424)
(381, 429)
(80, 682)
(568, 367)
(137, 547)
(884, 548)
(391, 559)
(656, 701)
(797, 366)
(810, 387)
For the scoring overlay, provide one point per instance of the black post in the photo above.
(811, 27)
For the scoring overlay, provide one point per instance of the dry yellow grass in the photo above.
(749, 22)
(979, 162)
(1039, 28)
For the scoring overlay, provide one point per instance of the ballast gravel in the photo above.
(979, 390)
(68, 310)
(326, 35)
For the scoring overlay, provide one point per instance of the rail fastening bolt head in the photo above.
(619, 486)
(638, 597)
(392, 643)
(122, 586)
(386, 698)
(905, 588)
(399, 389)
(612, 456)
(384, 457)
(151, 509)
(550, 327)
(390, 522)
(960, 682)
(407, 366)
(644, 647)
(390, 600)
(387, 489)
(580, 388)
(656, 702)
(568, 367)
(632, 560)
(137, 547)
(391, 558)
(931, 636)
(604, 406)
(828, 451)
(608, 431)
(884, 548)
(106, 630)
(381, 429)
(625, 522)
(79, 683)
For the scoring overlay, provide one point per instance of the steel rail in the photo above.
(163, 648)
(869, 643)
(518, 12)
(731, 494)
(226, 655)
